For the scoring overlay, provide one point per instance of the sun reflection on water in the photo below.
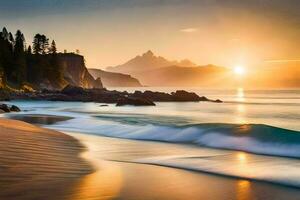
(240, 94)
(243, 188)
(240, 109)
(242, 157)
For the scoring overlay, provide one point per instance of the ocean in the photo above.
(254, 134)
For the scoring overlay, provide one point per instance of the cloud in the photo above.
(189, 30)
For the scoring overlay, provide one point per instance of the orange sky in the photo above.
(109, 33)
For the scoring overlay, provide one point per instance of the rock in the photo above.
(14, 108)
(182, 95)
(75, 71)
(218, 101)
(4, 107)
(134, 102)
(73, 90)
(102, 95)
(104, 105)
(111, 79)
(203, 98)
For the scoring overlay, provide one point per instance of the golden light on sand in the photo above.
(239, 70)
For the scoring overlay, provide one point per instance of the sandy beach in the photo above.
(38, 163)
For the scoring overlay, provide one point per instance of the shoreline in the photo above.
(82, 167)
(38, 163)
(136, 180)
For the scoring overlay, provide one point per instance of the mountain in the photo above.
(205, 76)
(75, 72)
(111, 79)
(147, 61)
(153, 70)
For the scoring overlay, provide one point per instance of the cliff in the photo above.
(111, 79)
(76, 73)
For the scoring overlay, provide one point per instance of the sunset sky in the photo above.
(109, 32)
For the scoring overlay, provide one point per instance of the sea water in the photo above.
(263, 123)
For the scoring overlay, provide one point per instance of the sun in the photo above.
(239, 70)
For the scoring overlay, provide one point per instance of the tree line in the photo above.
(34, 64)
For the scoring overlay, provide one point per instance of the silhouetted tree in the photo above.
(5, 34)
(29, 50)
(40, 44)
(6, 54)
(19, 73)
(11, 38)
(19, 65)
(37, 48)
(53, 49)
(45, 44)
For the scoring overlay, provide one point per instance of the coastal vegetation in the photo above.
(24, 66)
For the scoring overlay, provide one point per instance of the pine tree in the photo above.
(53, 49)
(29, 51)
(37, 49)
(11, 38)
(5, 34)
(45, 44)
(6, 54)
(19, 73)
(40, 44)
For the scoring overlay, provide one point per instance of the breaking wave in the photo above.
(253, 138)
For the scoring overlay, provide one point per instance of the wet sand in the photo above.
(39, 119)
(37, 163)
(119, 177)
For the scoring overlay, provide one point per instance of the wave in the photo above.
(253, 138)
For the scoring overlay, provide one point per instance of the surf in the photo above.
(253, 138)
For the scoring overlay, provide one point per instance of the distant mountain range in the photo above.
(148, 61)
(112, 79)
(152, 70)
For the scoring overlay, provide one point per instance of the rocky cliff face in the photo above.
(110, 79)
(76, 73)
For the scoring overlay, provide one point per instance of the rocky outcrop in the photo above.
(134, 102)
(74, 93)
(76, 73)
(178, 96)
(111, 79)
(4, 108)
